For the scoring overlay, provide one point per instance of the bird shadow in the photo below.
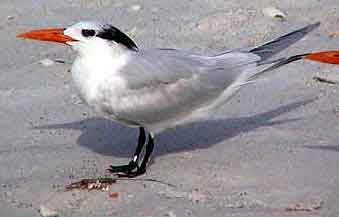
(108, 138)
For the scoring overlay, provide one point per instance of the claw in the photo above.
(128, 168)
(131, 174)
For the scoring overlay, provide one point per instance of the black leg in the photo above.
(149, 150)
(134, 162)
(142, 169)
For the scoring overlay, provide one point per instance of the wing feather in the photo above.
(167, 84)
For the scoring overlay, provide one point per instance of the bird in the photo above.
(158, 88)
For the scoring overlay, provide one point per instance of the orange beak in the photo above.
(331, 57)
(54, 35)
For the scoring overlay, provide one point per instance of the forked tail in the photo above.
(273, 47)
(329, 57)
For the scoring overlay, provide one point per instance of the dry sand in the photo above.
(270, 151)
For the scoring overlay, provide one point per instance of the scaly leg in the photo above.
(133, 164)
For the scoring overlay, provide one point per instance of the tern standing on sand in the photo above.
(154, 89)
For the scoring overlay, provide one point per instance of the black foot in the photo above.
(132, 174)
(133, 169)
(128, 168)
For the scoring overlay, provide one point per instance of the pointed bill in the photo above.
(52, 34)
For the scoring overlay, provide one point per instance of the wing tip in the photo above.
(312, 26)
(270, 48)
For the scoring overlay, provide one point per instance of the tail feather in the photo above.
(277, 64)
(273, 47)
(329, 57)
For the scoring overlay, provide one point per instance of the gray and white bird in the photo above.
(154, 89)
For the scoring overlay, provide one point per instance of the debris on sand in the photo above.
(274, 13)
(101, 183)
(324, 80)
(333, 34)
(305, 207)
(113, 195)
(47, 212)
(329, 78)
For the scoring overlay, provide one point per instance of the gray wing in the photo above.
(156, 67)
(167, 84)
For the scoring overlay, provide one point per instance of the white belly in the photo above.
(99, 86)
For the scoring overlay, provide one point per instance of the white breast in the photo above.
(95, 75)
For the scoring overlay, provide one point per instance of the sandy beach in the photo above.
(273, 150)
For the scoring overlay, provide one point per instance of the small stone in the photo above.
(47, 212)
(135, 7)
(171, 214)
(274, 13)
(10, 17)
(46, 62)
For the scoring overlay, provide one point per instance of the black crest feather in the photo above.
(114, 34)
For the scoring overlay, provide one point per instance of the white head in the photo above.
(84, 36)
(94, 34)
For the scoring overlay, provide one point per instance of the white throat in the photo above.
(97, 62)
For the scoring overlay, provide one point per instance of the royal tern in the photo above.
(155, 89)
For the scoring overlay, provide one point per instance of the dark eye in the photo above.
(88, 32)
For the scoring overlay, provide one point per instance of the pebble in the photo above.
(135, 7)
(47, 212)
(171, 214)
(10, 17)
(46, 62)
(274, 13)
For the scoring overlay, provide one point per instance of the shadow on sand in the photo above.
(108, 138)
